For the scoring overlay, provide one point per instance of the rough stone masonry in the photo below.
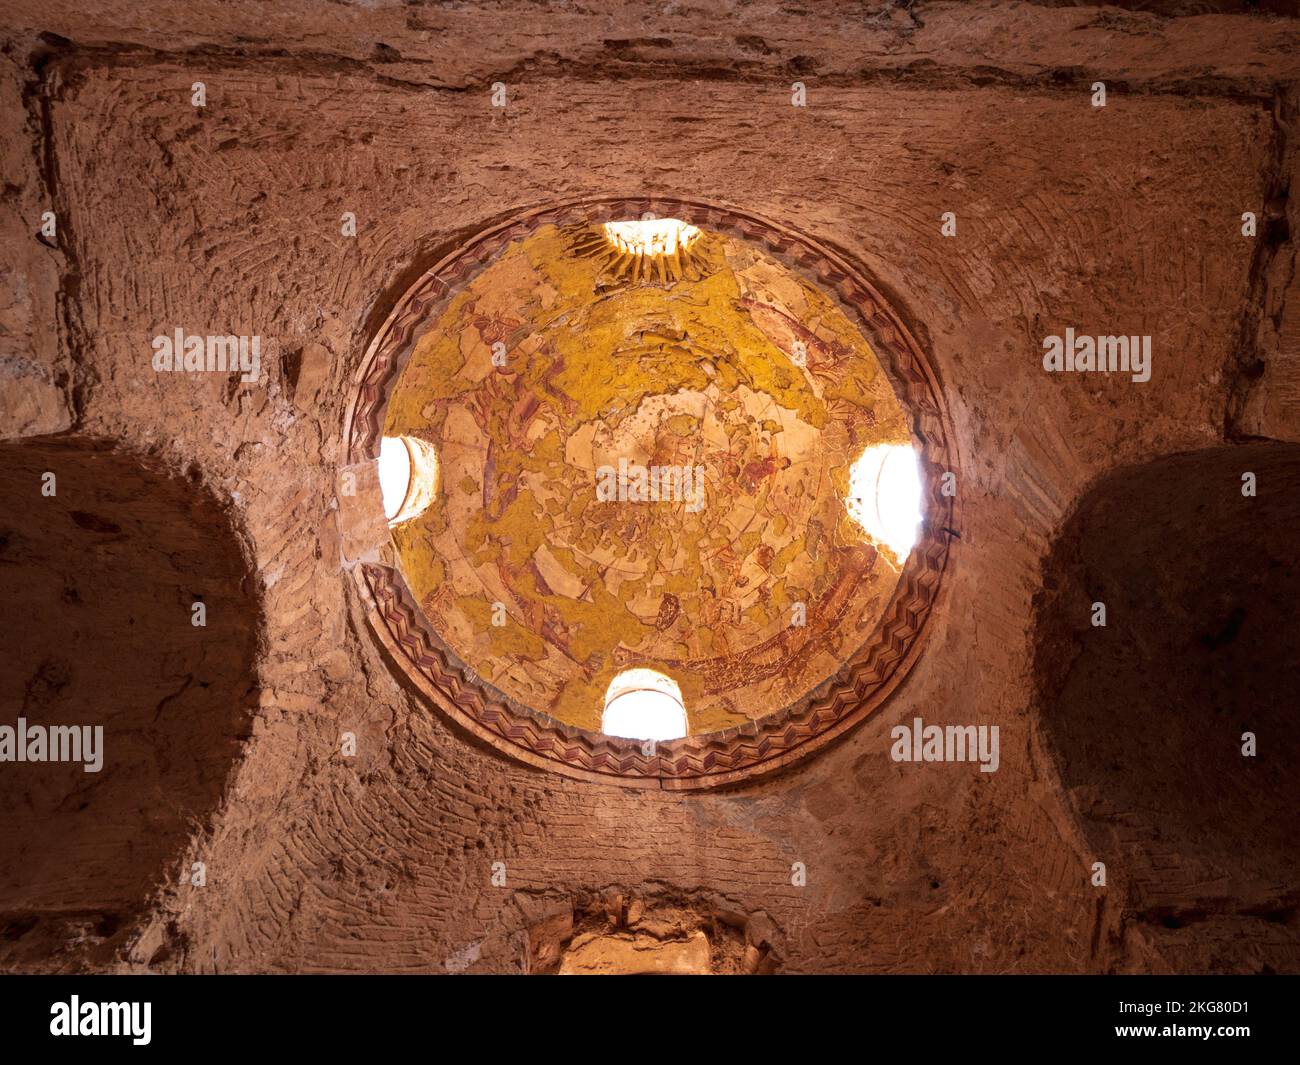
(229, 832)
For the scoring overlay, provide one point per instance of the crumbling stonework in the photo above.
(426, 851)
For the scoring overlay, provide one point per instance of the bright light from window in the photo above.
(408, 476)
(885, 496)
(643, 704)
(654, 236)
(394, 474)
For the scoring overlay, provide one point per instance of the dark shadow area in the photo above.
(1145, 716)
(99, 581)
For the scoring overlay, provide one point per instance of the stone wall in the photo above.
(1122, 219)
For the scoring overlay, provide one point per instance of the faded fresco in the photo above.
(730, 393)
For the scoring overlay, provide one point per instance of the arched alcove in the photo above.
(101, 579)
(1145, 715)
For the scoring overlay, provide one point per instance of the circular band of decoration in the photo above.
(788, 718)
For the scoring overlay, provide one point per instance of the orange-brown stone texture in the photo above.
(229, 830)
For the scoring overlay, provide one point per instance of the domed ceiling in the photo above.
(634, 450)
(708, 378)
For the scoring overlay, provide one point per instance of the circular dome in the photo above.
(646, 419)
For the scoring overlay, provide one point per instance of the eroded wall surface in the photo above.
(1125, 219)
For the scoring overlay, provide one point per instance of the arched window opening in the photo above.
(644, 704)
(885, 496)
(408, 477)
(651, 236)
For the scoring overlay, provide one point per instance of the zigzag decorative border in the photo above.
(862, 684)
